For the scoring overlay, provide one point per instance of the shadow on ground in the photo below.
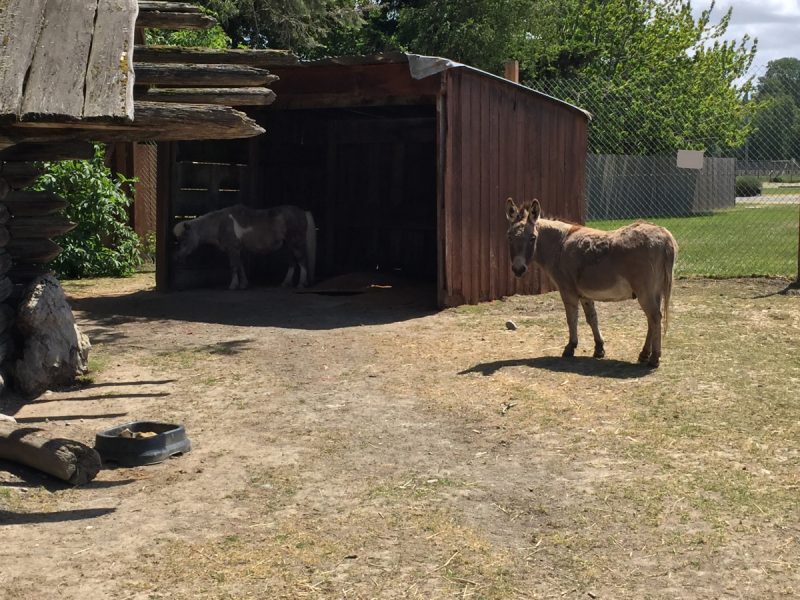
(580, 365)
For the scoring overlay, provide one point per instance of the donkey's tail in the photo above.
(670, 252)
(311, 246)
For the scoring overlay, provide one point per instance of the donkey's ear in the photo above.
(536, 210)
(511, 210)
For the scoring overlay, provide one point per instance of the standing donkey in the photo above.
(588, 265)
(237, 227)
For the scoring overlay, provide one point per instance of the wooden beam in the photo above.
(155, 121)
(175, 20)
(55, 85)
(109, 81)
(38, 251)
(34, 204)
(19, 174)
(185, 7)
(264, 59)
(20, 25)
(24, 273)
(209, 76)
(32, 151)
(512, 70)
(257, 96)
(305, 101)
(39, 227)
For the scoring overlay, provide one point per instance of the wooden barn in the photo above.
(405, 161)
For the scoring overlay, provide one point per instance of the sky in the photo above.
(776, 24)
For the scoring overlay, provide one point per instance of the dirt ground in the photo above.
(367, 446)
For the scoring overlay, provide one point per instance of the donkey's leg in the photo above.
(571, 306)
(238, 279)
(591, 318)
(652, 344)
(301, 258)
(287, 281)
(303, 276)
(243, 282)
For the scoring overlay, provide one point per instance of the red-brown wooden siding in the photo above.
(502, 141)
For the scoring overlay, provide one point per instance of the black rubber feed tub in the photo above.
(170, 439)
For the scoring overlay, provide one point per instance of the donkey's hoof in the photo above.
(599, 352)
(644, 356)
(569, 351)
(654, 362)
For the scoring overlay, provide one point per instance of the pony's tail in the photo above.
(311, 246)
(670, 253)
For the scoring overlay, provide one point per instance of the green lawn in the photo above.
(781, 191)
(750, 239)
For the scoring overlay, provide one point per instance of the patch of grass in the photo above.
(752, 238)
(98, 360)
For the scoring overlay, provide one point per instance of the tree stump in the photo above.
(69, 460)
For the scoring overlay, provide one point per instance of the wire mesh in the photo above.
(736, 215)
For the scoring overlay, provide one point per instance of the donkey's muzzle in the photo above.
(519, 267)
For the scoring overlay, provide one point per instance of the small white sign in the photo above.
(690, 159)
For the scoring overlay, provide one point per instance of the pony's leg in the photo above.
(237, 272)
(652, 344)
(243, 283)
(303, 276)
(289, 277)
(591, 318)
(571, 306)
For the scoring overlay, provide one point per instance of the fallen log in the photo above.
(69, 460)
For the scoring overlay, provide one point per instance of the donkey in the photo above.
(238, 227)
(587, 265)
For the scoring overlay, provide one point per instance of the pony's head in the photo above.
(188, 240)
(522, 233)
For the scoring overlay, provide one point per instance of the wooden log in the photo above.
(19, 174)
(174, 20)
(55, 85)
(264, 59)
(36, 251)
(6, 317)
(6, 262)
(109, 80)
(209, 76)
(24, 273)
(34, 204)
(258, 96)
(184, 7)
(6, 287)
(20, 26)
(155, 121)
(69, 460)
(4, 189)
(5, 236)
(62, 151)
(39, 227)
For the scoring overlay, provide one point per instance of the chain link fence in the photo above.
(736, 215)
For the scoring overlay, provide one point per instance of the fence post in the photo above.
(512, 70)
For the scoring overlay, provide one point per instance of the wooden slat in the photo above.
(32, 151)
(32, 204)
(20, 25)
(33, 251)
(5, 236)
(264, 59)
(175, 21)
(4, 189)
(497, 221)
(474, 182)
(155, 121)
(486, 197)
(455, 165)
(55, 86)
(248, 96)
(109, 77)
(209, 76)
(25, 272)
(39, 227)
(184, 7)
(19, 174)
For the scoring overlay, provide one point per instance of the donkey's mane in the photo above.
(527, 204)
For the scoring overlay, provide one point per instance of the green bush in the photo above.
(102, 244)
(748, 185)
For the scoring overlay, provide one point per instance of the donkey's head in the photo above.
(522, 233)
(188, 240)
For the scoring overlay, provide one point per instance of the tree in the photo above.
(777, 124)
(102, 245)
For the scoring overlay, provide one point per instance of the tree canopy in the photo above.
(776, 126)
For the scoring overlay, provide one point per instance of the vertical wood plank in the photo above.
(497, 222)
(506, 190)
(20, 26)
(486, 197)
(476, 248)
(511, 175)
(456, 167)
(109, 76)
(442, 148)
(163, 215)
(55, 86)
(466, 189)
